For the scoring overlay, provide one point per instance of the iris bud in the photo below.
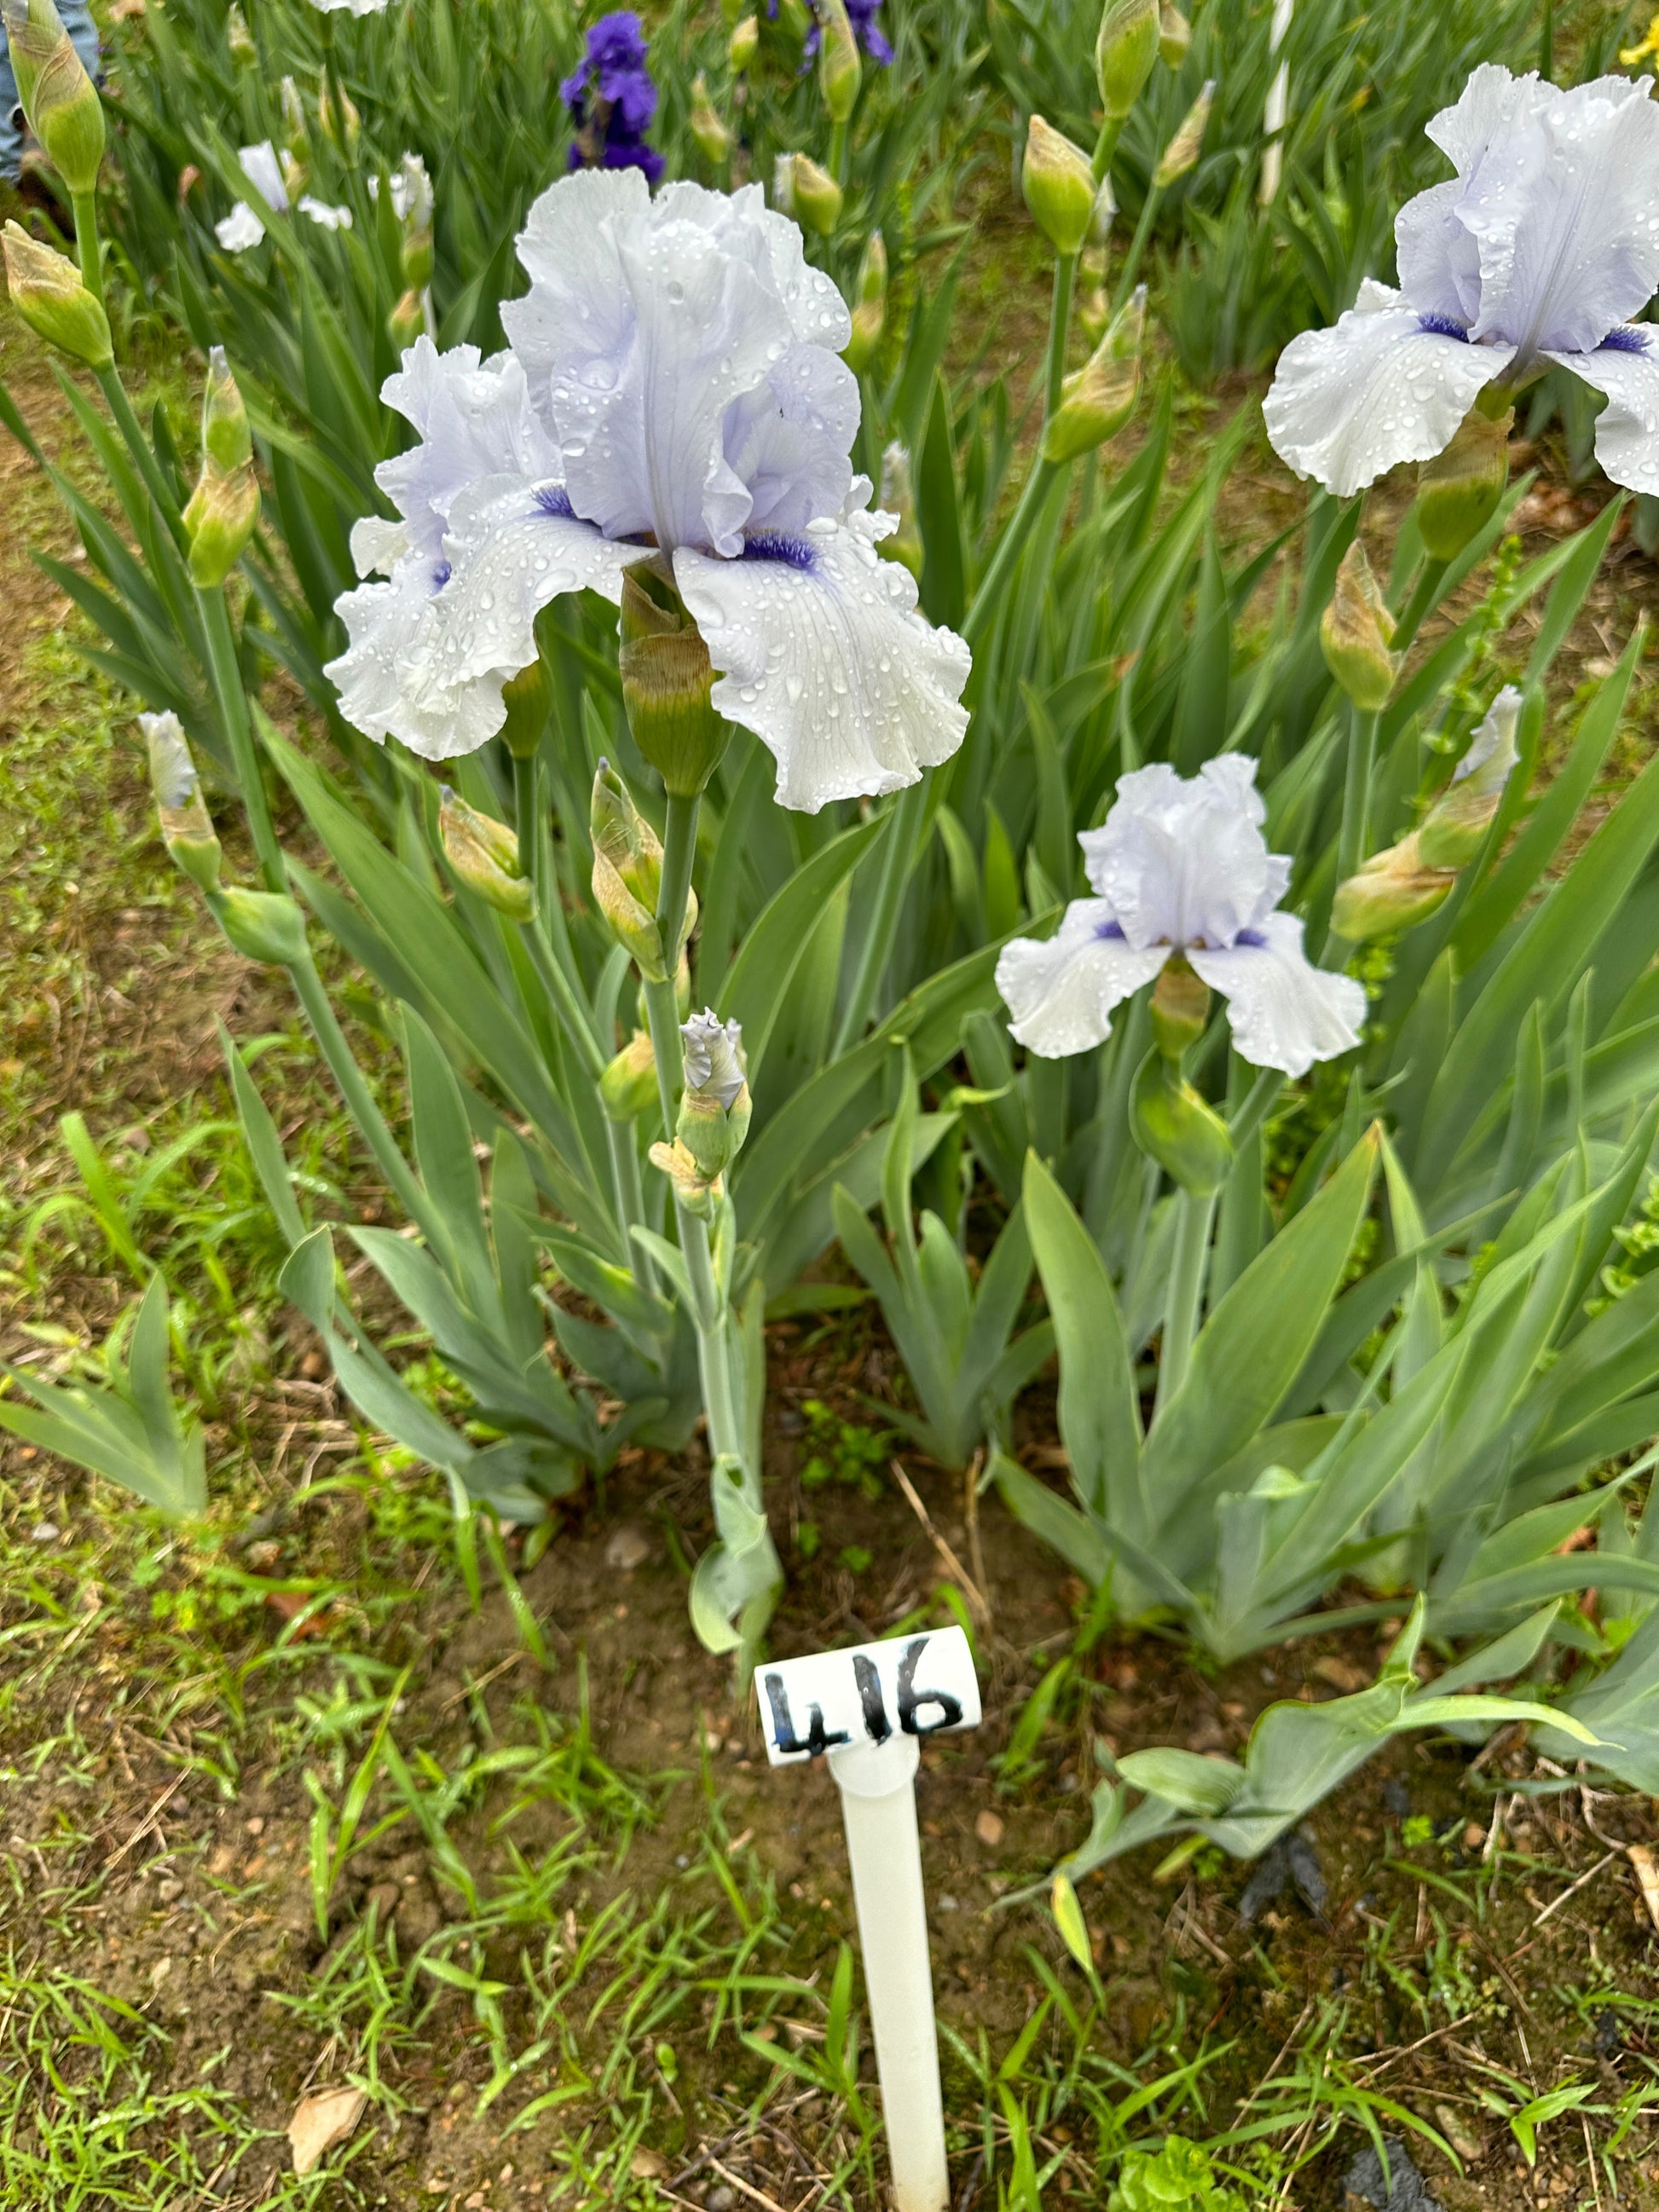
(1060, 186)
(1454, 828)
(1180, 1009)
(1124, 50)
(714, 1107)
(186, 827)
(406, 321)
(1179, 1129)
(1175, 34)
(712, 138)
(809, 193)
(1098, 399)
(485, 855)
(528, 696)
(353, 122)
(840, 70)
(243, 52)
(1393, 891)
(667, 680)
(1357, 633)
(627, 1087)
(1181, 155)
(224, 508)
(898, 497)
(743, 45)
(870, 312)
(264, 926)
(47, 292)
(58, 96)
(296, 130)
(1459, 490)
(628, 874)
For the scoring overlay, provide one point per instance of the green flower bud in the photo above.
(224, 508)
(1357, 631)
(743, 45)
(186, 827)
(406, 321)
(243, 50)
(898, 497)
(264, 926)
(1175, 34)
(1182, 1132)
(1059, 180)
(485, 855)
(296, 128)
(840, 70)
(58, 96)
(801, 188)
(1458, 491)
(528, 697)
(1180, 1008)
(1393, 891)
(47, 292)
(697, 1192)
(870, 306)
(1181, 155)
(714, 140)
(627, 1087)
(667, 680)
(1098, 399)
(1454, 828)
(628, 874)
(1124, 50)
(353, 122)
(715, 1107)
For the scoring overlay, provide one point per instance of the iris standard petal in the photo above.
(1060, 993)
(1625, 367)
(1285, 1012)
(1492, 105)
(577, 316)
(823, 655)
(1439, 261)
(1182, 860)
(1350, 403)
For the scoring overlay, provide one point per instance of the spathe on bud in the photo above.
(407, 320)
(1459, 490)
(265, 925)
(485, 855)
(898, 497)
(243, 50)
(58, 96)
(1180, 1008)
(186, 826)
(714, 1107)
(743, 45)
(714, 140)
(295, 128)
(1175, 34)
(870, 306)
(800, 188)
(1125, 51)
(840, 70)
(1357, 634)
(1181, 153)
(697, 1192)
(330, 129)
(667, 680)
(1178, 1129)
(1059, 182)
(224, 508)
(627, 1087)
(47, 292)
(1393, 891)
(1098, 399)
(628, 874)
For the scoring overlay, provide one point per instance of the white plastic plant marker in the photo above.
(868, 1708)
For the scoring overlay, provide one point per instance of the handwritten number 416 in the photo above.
(947, 1709)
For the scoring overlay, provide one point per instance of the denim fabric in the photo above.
(77, 21)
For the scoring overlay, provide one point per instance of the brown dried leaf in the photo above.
(322, 2121)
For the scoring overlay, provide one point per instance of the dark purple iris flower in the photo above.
(613, 100)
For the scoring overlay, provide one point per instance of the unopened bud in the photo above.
(406, 321)
(1459, 490)
(1179, 1129)
(714, 140)
(1175, 34)
(810, 194)
(1357, 633)
(1098, 399)
(224, 508)
(186, 826)
(715, 1107)
(1181, 155)
(628, 875)
(261, 924)
(243, 52)
(667, 680)
(898, 497)
(870, 306)
(1124, 50)
(353, 122)
(47, 292)
(1180, 1009)
(743, 45)
(1060, 186)
(1393, 891)
(1452, 832)
(840, 70)
(627, 1087)
(697, 1192)
(485, 855)
(297, 127)
(58, 96)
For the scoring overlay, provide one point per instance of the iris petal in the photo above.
(1060, 993)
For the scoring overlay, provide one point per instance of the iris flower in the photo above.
(613, 100)
(263, 168)
(1182, 870)
(685, 392)
(1540, 251)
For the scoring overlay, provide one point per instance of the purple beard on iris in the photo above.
(613, 100)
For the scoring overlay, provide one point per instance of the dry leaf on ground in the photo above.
(320, 2122)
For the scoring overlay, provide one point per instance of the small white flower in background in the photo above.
(1180, 866)
(1540, 250)
(331, 218)
(714, 1056)
(263, 168)
(683, 366)
(411, 190)
(239, 230)
(355, 7)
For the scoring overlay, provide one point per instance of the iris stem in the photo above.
(239, 728)
(1254, 1106)
(903, 821)
(838, 152)
(559, 982)
(1060, 329)
(143, 455)
(1353, 838)
(1106, 146)
(1131, 270)
(1193, 1218)
(87, 246)
(1426, 596)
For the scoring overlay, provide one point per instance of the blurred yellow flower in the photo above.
(1631, 55)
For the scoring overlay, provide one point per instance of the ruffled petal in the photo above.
(1490, 105)
(823, 655)
(372, 675)
(475, 420)
(239, 230)
(1182, 860)
(1285, 1012)
(1626, 367)
(1439, 261)
(577, 311)
(788, 440)
(1060, 993)
(1350, 403)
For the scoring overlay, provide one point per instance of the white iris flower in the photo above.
(683, 373)
(1540, 250)
(262, 166)
(1180, 866)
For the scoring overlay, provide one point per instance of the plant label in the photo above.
(915, 1686)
